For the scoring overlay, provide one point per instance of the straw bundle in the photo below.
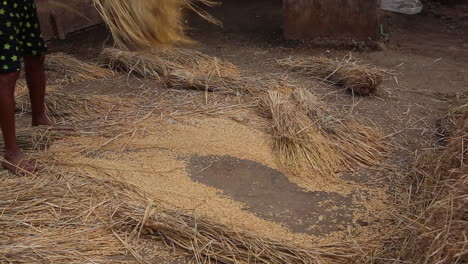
(436, 226)
(297, 139)
(210, 242)
(74, 70)
(356, 144)
(38, 138)
(146, 24)
(142, 64)
(60, 105)
(348, 73)
(38, 212)
(49, 219)
(433, 221)
(197, 61)
(201, 72)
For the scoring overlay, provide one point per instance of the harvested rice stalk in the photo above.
(51, 219)
(356, 144)
(434, 225)
(38, 138)
(74, 70)
(350, 74)
(298, 140)
(205, 74)
(21, 86)
(73, 245)
(197, 61)
(210, 242)
(142, 64)
(146, 24)
(62, 105)
(211, 81)
(159, 64)
(78, 204)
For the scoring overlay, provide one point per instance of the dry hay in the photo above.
(297, 140)
(439, 232)
(156, 63)
(434, 225)
(304, 131)
(354, 143)
(51, 219)
(146, 24)
(64, 106)
(358, 78)
(201, 72)
(72, 218)
(212, 242)
(73, 70)
(39, 138)
(197, 61)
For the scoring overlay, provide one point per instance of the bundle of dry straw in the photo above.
(358, 78)
(38, 212)
(146, 24)
(182, 69)
(38, 138)
(354, 143)
(439, 232)
(298, 141)
(64, 106)
(211, 242)
(73, 70)
(50, 219)
(434, 225)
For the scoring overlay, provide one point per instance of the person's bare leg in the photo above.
(36, 80)
(14, 158)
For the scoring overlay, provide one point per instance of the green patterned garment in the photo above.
(20, 34)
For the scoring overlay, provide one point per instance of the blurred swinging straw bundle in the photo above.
(146, 24)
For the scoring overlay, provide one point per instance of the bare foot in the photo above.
(18, 164)
(42, 121)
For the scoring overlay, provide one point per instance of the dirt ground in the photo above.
(427, 52)
(428, 55)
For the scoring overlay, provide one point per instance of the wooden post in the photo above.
(334, 19)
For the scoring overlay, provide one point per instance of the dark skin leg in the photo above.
(36, 80)
(15, 160)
